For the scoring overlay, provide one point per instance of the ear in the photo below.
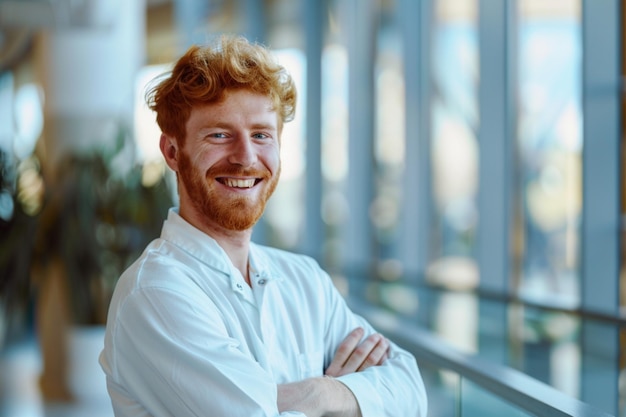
(169, 149)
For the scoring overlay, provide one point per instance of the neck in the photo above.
(235, 243)
(237, 247)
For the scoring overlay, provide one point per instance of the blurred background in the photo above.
(458, 162)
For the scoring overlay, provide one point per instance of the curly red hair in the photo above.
(204, 73)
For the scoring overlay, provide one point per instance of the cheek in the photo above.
(272, 160)
(203, 159)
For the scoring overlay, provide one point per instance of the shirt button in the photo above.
(239, 286)
(262, 281)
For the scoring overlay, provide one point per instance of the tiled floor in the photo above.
(20, 366)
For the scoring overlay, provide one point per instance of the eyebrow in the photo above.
(255, 126)
(265, 126)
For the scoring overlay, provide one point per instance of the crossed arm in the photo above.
(326, 396)
(172, 350)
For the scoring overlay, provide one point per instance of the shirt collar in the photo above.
(197, 243)
(206, 249)
(262, 270)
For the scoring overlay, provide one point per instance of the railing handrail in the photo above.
(510, 384)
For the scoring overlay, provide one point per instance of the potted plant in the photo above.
(96, 217)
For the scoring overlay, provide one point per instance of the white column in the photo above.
(88, 76)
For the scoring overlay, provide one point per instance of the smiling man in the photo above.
(207, 323)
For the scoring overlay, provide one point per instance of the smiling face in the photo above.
(229, 163)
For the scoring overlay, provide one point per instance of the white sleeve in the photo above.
(174, 356)
(394, 389)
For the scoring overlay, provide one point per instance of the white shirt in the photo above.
(186, 336)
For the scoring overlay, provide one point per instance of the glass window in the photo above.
(549, 143)
(389, 138)
(454, 148)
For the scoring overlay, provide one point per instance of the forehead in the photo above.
(236, 107)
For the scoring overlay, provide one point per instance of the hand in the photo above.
(327, 396)
(353, 356)
(318, 397)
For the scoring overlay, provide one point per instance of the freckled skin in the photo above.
(236, 138)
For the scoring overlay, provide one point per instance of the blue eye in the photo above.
(218, 135)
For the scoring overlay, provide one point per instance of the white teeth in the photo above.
(232, 182)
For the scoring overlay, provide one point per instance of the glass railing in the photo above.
(465, 384)
(452, 395)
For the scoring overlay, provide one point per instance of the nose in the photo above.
(242, 152)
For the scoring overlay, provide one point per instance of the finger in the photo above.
(377, 356)
(345, 349)
(386, 354)
(362, 353)
(384, 358)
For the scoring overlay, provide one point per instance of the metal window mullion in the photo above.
(359, 20)
(313, 237)
(495, 144)
(601, 156)
(600, 229)
(417, 203)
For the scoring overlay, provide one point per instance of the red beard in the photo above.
(235, 213)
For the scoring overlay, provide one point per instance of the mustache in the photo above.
(234, 171)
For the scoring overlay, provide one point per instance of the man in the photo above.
(206, 323)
